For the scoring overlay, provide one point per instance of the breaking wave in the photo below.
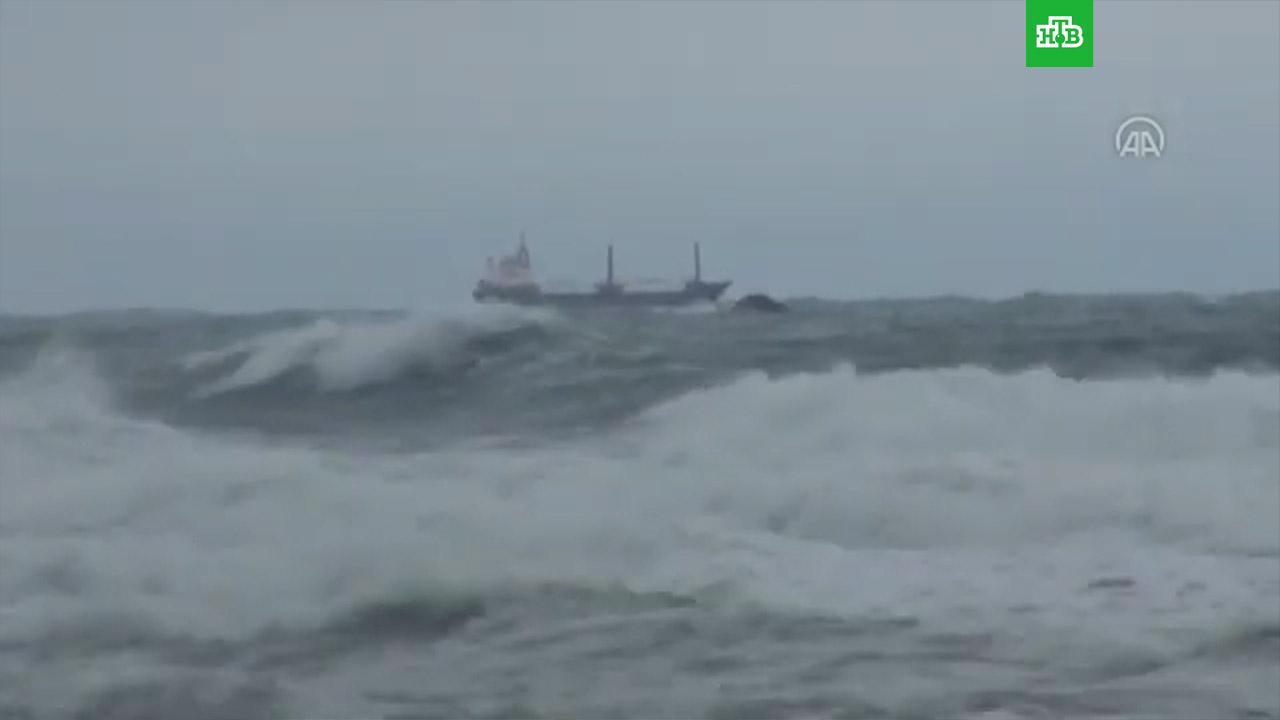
(781, 492)
(338, 356)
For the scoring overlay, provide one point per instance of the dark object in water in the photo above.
(759, 302)
(1112, 583)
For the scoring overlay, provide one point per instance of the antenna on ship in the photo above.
(697, 263)
(609, 268)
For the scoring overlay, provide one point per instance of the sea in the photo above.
(1046, 506)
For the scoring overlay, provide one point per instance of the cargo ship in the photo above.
(510, 279)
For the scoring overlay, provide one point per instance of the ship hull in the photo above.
(702, 292)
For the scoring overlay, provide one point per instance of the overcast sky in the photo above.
(253, 155)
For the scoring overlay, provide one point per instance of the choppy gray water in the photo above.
(1042, 507)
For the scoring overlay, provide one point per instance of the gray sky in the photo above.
(246, 155)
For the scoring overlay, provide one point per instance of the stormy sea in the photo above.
(1040, 507)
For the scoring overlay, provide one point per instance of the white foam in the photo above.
(929, 457)
(917, 492)
(700, 308)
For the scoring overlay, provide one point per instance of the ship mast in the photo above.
(608, 287)
(522, 253)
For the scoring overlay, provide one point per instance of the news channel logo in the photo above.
(1059, 33)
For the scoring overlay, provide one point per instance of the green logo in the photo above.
(1059, 33)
